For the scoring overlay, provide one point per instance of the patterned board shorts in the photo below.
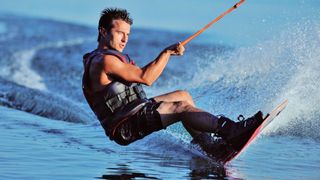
(143, 123)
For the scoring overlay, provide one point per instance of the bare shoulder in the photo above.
(126, 71)
(112, 63)
(110, 59)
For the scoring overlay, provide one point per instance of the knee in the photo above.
(181, 106)
(186, 97)
(185, 94)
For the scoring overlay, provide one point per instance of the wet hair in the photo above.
(110, 14)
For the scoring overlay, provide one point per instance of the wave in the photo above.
(41, 103)
(23, 86)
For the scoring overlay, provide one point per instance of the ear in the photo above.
(103, 32)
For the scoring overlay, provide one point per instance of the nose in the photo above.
(124, 38)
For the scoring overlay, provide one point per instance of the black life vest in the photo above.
(118, 100)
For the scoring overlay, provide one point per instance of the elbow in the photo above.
(146, 79)
(147, 82)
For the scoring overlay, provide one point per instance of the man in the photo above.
(112, 87)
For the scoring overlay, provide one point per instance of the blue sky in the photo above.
(259, 19)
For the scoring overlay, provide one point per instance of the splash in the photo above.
(251, 78)
(302, 90)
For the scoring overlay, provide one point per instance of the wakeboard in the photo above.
(223, 152)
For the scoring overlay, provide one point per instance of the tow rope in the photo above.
(212, 22)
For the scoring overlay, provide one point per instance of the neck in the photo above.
(102, 45)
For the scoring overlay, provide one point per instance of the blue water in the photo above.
(48, 131)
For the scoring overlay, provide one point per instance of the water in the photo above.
(49, 132)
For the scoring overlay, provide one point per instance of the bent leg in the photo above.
(195, 118)
(176, 96)
(236, 134)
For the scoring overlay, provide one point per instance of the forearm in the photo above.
(153, 70)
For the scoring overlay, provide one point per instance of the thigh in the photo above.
(178, 95)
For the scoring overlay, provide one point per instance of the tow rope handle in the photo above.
(211, 23)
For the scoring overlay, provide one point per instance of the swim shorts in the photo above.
(141, 124)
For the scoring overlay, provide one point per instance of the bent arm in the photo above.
(146, 75)
(154, 69)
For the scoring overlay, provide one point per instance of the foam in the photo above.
(23, 74)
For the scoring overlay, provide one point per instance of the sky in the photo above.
(253, 20)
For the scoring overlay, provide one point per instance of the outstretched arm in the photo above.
(146, 75)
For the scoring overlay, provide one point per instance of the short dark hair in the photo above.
(110, 14)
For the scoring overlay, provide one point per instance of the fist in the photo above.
(175, 49)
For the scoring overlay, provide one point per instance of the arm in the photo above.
(146, 75)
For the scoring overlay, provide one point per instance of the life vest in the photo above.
(118, 100)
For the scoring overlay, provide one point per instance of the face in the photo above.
(118, 36)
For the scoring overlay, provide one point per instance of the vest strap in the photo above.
(127, 96)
